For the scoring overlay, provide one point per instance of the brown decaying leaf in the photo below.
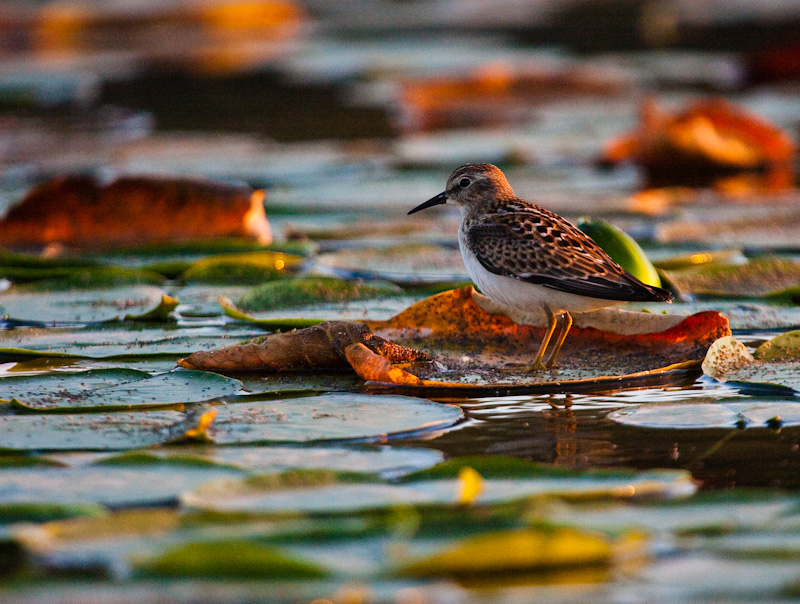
(319, 347)
(451, 325)
(708, 143)
(82, 211)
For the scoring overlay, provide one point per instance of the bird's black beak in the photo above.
(433, 201)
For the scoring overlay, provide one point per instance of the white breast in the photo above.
(523, 296)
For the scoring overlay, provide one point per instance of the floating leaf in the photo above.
(91, 431)
(329, 493)
(110, 389)
(143, 484)
(709, 415)
(706, 142)
(231, 558)
(277, 324)
(239, 269)
(330, 417)
(111, 342)
(513, 551)
(42, 511)
(84, 306)
(81, 210)
(622, 248)
(758, 278)
(784, 347)
(385, 460)
(475, 347)
(312, 290)
(728, 360)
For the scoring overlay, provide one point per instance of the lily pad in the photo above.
(784, 347)
(386, 461)
(755, 279)
(144, 484)
(111, 389)
(728, 360)
(330, 493)
(81, 306)
(331, 417)
(92, 431)
(312, 290)
(710, 415)
(233, 558)
(473, 347)
(622, 248)
(114, 342)
(513, 551)
(238, 269)
(42, 280)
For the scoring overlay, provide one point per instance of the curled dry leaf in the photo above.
(83, 211)
(319, 347)
(472, 347)
(705, 144)
(725, 356)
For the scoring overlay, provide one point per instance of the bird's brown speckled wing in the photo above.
(534, 245)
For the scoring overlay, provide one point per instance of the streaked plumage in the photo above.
(526, 258)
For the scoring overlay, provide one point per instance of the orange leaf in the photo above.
(710, 140)
(81, 211)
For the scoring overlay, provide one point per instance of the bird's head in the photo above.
(470, 187)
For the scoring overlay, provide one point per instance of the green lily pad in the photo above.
(91, 431)
(44, 511)
(281, 324)
(387, 461)
(81, 306)
(784, 347)
(755, 279)
(201, 300)
(115, 342)
(357, 417)
(312, 290)
(110, 389)
(707, 513)
(42, 280)
(622, 248)
(230, 558)
(206, 247)
(35, 261)
(710, 415)
(330, 493)
(144, 484)
(237, 269)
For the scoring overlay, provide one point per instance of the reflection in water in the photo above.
(572, 431)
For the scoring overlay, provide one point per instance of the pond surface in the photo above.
(117, 485)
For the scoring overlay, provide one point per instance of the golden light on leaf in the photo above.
(279, 264)
(470, 485)
(203, 423)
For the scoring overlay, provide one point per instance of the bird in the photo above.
(526, 258)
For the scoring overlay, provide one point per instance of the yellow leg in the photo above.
(537, 361)
(560, 342)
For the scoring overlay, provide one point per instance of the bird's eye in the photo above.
(464, 183)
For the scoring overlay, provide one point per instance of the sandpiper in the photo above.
(526, 258)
